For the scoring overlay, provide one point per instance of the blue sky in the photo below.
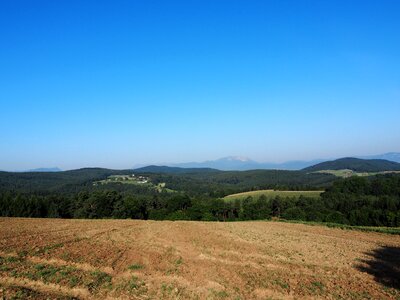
(119, 83)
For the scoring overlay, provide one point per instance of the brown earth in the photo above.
(127, 259)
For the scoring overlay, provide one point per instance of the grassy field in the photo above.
(272, 193)
(124, 179)
(348, 173)
(386, 230)
(129, 179)
(129, 259)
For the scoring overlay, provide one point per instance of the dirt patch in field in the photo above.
(196, 260)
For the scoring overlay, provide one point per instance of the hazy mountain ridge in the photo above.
(240, 163)
(356, 164)
(172, 170)
(233, 163)
(54, 169)
(392, 156)
(237, 163)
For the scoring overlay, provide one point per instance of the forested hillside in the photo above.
(191, 181)
(356, 164)
(66, 181)
(197, 195)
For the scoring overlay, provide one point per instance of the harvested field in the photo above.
(128, 259)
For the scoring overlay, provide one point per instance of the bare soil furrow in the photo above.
(200, 260)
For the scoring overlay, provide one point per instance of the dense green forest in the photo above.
(210, 182)
(197, 195)
(356, 164)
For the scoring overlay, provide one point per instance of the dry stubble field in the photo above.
(128, 259)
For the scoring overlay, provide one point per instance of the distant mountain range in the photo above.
(349, 163)
(392, 156)
(234, 163)
(173, 170)
(55, 169)
(356, 164)
(237, 163)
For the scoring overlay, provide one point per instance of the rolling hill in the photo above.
(190, 180)
(356, 164)
(54, 181)
(173, 170)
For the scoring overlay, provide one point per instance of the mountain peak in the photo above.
(235, 158)
(230, 163)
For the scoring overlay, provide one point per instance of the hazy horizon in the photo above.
(178, 163)
(116, 85)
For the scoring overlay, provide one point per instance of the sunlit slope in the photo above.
(272, 194)
(127, 259)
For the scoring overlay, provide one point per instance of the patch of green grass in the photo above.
(318, 284)
(316, 287)
(219, 294)
(5, 268)
(49, 273)
(68, 269)
(135, 267)
(387, 230)
(46, 272)
(395, 293)
(47, 249)
(134, 180)
(167, 288)
(345, 173)
(22, 253)
(283, 284)
(11, 259)
(65, 275)
(66, 256)
(13, 292)
(133, 285)
(172, 291)
(98, 279)
(359, 295)
(175, 265)
(269, 194)
(73, 281)
(179, 261)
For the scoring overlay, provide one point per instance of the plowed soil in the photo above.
(129, 259)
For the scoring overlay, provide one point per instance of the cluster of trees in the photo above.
(114, 204)
(222, 183)
(354, 201)
(365, 201)
(194, 182)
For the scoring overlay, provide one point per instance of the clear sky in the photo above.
(119, 83)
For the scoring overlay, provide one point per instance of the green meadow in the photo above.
(273, 193)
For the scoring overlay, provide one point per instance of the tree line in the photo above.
(354, 201)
